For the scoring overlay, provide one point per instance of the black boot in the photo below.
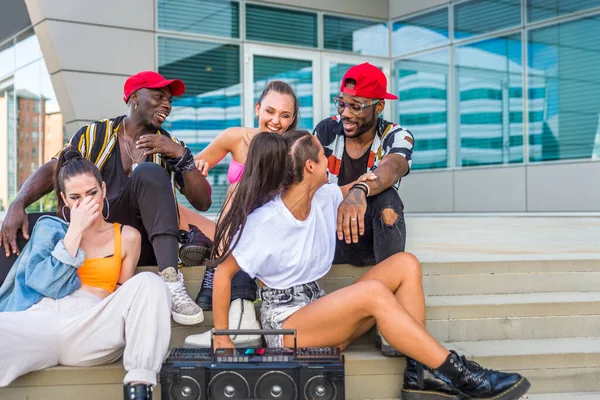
(195, 247)
(472, 381)
(204, 298)
(420, 383)
(137, 392)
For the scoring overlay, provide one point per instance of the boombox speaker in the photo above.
(253, 373)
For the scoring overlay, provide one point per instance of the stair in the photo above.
(540, 318)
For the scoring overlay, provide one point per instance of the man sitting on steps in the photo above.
(142, 165)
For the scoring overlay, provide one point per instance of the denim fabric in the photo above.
(380, 239)
(43, 269)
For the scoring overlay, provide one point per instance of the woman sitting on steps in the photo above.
(71, 297)
(281, 229)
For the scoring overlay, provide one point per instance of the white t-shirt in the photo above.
(282, 251)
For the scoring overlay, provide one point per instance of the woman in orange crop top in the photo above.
(277, 110)
(113, 314)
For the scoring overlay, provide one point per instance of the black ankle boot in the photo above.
(137, 392)
(420, 383)
(473, 381)
(204, 298)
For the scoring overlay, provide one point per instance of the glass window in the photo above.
(355, 35)
(281, 25)
(208, 17)
(542, 9)
(336, 73)
(482, 16)
(420, 32)
(7, 59)
(489, 126)
(422, 106)
(297, 73)
(212, 101)
(27, 49)
(564, 90)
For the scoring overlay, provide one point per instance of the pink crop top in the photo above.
(234, 174)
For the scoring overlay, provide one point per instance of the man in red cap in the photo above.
(142, 165)
(357, 141)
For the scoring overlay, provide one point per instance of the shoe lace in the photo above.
(207, 282)
(474, 370)
(179, 295)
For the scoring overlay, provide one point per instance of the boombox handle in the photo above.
(222, 332)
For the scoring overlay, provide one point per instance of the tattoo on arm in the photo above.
(379, 181)
(355, 197)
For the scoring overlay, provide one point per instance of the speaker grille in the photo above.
(228, 385)
(319, 388)
(276, 385)
(187, 389)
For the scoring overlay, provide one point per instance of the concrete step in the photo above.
(467, 278)
(552, 366)
(566, 396)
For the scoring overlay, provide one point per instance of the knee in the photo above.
(151, 284)
(376, 294)
(389, 216)
(149, 173)
(408, 263)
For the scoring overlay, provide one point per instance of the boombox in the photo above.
(253, 373)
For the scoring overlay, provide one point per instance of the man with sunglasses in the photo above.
(370, 221)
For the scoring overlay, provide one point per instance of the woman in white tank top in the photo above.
(281, 229)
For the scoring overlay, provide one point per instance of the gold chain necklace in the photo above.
(129, 152)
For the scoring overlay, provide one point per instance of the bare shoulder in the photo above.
(130, 235)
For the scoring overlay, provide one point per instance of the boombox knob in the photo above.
(320, 390)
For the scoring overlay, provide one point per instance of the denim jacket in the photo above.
(43, 269)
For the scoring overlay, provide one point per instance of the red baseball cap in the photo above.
(151, 80)
(371, 82)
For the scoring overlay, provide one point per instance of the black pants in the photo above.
(146, 203)
(380, 239)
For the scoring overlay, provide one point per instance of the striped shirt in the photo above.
(390, 139)
(98, 142)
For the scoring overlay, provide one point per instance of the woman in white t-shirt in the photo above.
(281, 229)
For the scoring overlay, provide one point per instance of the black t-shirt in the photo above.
(352, 168)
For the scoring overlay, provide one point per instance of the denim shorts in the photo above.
(277, 305)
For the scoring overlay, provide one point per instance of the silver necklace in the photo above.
(129, 152)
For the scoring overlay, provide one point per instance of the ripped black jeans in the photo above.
(380, 239)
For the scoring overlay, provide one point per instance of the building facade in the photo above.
(500, 94)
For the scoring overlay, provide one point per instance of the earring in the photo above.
(107, 210)
(63, 213)
(135, 107)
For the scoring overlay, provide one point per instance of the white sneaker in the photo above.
(241, 316)
(184, 310)
(386, 349)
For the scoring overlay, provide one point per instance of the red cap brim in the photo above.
(176, 85)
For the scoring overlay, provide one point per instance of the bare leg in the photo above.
(334, 319)
(401, 274)
(189, 217)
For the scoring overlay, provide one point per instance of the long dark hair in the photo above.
(71, 163)
(282, 88)
(273, 164)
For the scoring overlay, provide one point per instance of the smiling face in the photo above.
(78, 187)
(153, 106)
(357, 124)
(275, 112)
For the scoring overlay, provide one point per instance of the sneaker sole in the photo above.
(408, 394)
(245, 343)
(193, 256)
(513, 393)
(188, 319)
(387, 350)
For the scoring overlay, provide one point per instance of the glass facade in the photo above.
(31, 125)
(519, 94)
(355, 35)
(281, 25)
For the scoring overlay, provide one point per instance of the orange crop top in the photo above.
(103, 272)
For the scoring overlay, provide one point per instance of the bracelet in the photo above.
(361, 188)
(185, 162)
(364, 186)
